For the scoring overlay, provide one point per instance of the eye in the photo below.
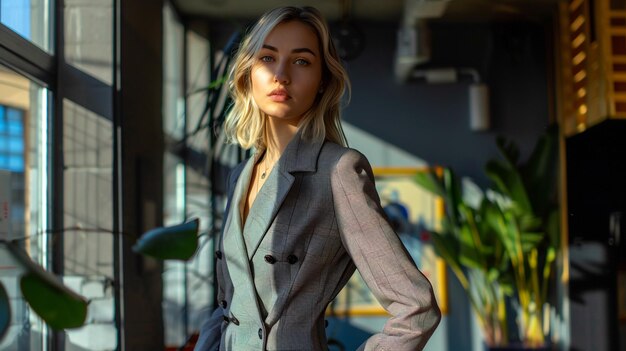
(302, 62)
(266, 58)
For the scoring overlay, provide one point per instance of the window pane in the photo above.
(89, 37)
(24, 179)
(173, 98)
(174, 273)
(30, 19)
(198, 188)
(88, 209)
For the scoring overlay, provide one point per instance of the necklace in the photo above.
(265, 168)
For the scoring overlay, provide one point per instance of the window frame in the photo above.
(52, 72)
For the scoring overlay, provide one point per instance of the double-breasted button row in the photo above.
(261, 333)
(292, 259)
(218, 254)
(223, 304)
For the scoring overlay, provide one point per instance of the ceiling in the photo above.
(376, 10)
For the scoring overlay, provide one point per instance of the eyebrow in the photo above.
(296, 51)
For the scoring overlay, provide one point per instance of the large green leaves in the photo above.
(177, 242)
(57, 305)
(507, 244)
(5, 311)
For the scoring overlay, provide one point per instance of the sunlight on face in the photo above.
(287, 74)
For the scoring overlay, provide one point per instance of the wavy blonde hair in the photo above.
(245, 122)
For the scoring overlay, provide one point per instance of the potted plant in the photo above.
(504, 246)
(474, 253)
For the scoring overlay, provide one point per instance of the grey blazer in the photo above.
(316, 219)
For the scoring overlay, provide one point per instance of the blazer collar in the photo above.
(300, 155)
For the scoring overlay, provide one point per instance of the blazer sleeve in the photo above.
(382, 260)
(211, 332)
(211, 329)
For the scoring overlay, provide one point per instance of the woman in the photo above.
(303, 211)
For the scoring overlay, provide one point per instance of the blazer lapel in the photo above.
(299, 156)
(265, 206)
(233, 241)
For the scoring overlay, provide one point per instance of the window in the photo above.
(24, 190)
(89, 37)
(29, 18)
(62, 199)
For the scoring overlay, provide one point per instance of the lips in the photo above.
(279, 95)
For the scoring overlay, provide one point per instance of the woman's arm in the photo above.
(381, 259)
(211, 332)
(211, 329)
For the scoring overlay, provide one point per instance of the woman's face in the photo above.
(287, 74)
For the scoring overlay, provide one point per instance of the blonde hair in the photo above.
(245, 122)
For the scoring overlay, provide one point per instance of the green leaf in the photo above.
(447, 247)
(454, 193)
(507, 284)
(539, 172)
(470, 254)
(430, 182)
(509, 150)
(178, 242)
(553, 228)
(509, 182)
(57, 305)
(5, 311)
(531, 240)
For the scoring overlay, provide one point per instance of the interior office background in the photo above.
(98, 140)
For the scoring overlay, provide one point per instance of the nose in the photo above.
(281, 74)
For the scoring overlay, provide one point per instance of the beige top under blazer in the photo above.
(316, 219)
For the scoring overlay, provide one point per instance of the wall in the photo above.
(432, 121)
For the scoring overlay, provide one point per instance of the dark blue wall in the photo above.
(432, 121)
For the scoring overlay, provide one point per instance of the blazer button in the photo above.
(260, 333)
(218, 254)
(270, 259)
(234, 320)
(223, 304)
(226, 319)
(292, 259)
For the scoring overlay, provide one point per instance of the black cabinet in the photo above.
(596, 201)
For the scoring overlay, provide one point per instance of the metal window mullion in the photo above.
(118, 241)
(26, 58)
(57, 339)
(184, 70)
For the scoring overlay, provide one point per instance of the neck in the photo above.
(278, 134)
